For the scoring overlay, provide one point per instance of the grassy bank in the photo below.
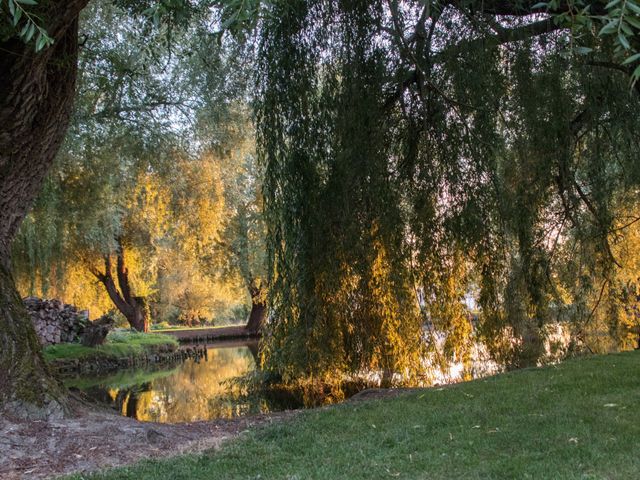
(577, 420)
(117, 345)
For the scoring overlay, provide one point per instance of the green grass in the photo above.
(118, 344)
(577, 420)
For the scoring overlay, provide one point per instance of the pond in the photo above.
(199, 389)
(191, 391)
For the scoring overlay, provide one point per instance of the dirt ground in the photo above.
(97, 438)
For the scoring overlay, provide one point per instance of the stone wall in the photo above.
(56, 322)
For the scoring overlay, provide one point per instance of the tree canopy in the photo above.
(416, 151)
(453, 169)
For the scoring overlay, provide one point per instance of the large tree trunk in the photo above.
(27, 388)
(134, 308)
(258, 312)
(140, 319)
(36, 99)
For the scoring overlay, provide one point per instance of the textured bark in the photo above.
(27, 388)
(140, 319)
(96, 332)
(36, 99)
(133, 308)
(257, 315)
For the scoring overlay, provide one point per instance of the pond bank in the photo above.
(213, 334)
(121, 350)
(98, 438)
(581, 415)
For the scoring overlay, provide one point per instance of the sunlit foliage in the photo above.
(141, 174)
(419, 152)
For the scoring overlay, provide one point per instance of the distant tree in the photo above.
(39, 47)
(241, 248)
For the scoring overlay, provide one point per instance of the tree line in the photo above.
(410, 153)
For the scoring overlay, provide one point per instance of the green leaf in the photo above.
(583, 50)
(631, 59)
(634, 7)
(30, 32)
(27, 2)
(12, 9)
(17, 16)
(540, 5)
(608, 28)
(624, 26)
(612, 4)
(24, 30)
(633, 21)
(39, 43)
(623, 41)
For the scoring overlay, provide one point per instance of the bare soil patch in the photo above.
(96, 438)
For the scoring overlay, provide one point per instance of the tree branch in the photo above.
(123, 274)
(520, 8)
(107, 280)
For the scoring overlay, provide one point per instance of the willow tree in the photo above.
(417, 150)
(134, 184)
(39, 45)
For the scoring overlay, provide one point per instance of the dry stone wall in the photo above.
(56, 322)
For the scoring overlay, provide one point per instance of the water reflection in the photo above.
(195, 390)
(199, 389)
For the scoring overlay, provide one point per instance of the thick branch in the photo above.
(519, 8)
(109, 284)
(123, 275)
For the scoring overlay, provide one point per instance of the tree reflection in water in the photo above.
(196, 390)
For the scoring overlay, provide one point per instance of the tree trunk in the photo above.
(140, 319)
(133, 308)
(27, 388)
(258, 312)
(36, 99)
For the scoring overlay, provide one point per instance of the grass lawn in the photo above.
(118, 344)
(577, 420)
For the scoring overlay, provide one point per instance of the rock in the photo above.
(55, 321)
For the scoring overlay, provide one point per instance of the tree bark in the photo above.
(140, 319)
(258, 312)
(36, 99)
(134, 308)
(27, 387)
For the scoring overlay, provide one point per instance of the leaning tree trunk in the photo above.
(36, 99)
(134, 308)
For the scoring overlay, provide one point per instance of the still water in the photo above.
(193, 390)
(200, 389)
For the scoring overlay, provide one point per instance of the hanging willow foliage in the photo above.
(418, 151)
